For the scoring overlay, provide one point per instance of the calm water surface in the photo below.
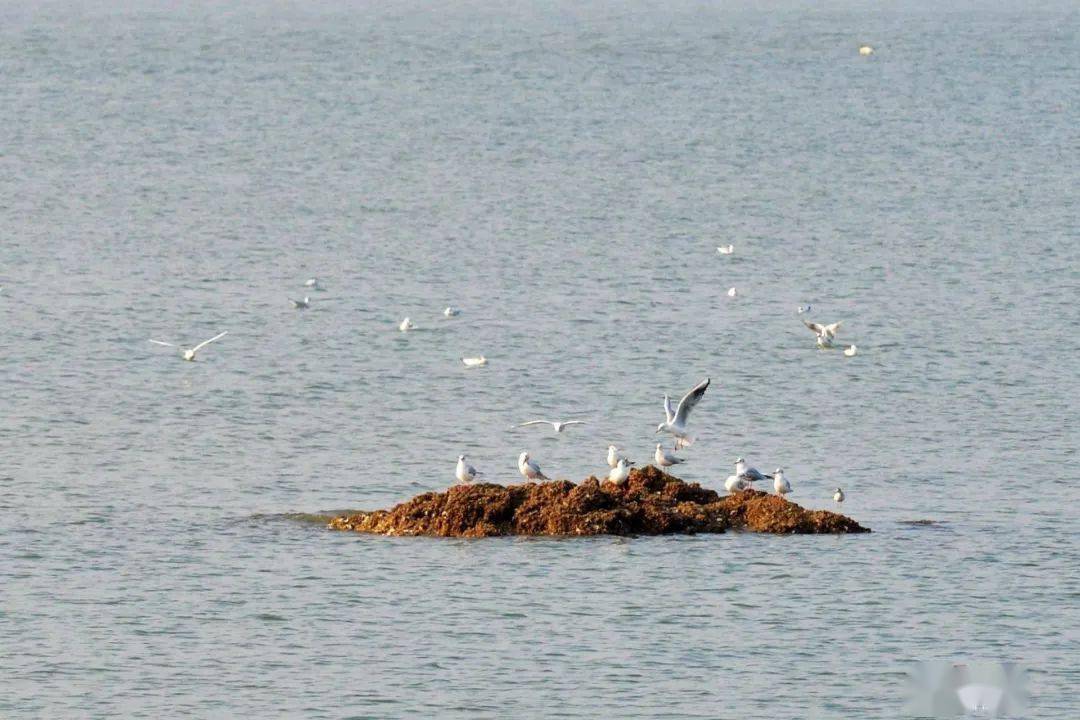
(563, 175)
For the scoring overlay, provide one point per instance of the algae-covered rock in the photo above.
(650, 502)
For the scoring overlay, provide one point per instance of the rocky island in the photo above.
(649, 502)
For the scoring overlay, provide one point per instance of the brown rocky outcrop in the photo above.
(650, 502)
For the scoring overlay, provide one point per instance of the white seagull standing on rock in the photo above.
(558, 426)
(665, 458)
(675, 422)
(465, 473)
(529, 468)
(613, 456)
(735, 482)
(748, 473)
(620, 472)
(825, 333)
(780, 483)
(189, 355)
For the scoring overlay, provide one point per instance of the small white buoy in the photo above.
(732, 292)
(406, 325)
(451, 312)
(725, 249)
(851, 350)
(866, 50)
(474, 361)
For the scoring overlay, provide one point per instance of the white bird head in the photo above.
(461, 458)
(739, 460)
(839, 490)
(523, 458)
(659, 445)
(779, 472)
(660, 428)
(612, 448)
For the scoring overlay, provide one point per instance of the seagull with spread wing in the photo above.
(189, 354)
(675, 422)
(559, 426)
(825, 333)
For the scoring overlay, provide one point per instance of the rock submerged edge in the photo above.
(650, 502)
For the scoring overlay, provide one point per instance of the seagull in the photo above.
(746, 473)
(732, 293)
(451, 312)
(866, 50)
(838, 496)
(780, 483)
(802, 309)
(474, 361)
(734, 482)
(620, 472)
(312, 283)
(613, 456)
(665, 458)
(725, 249)
(465, 473)
(301, 304)
(825, 333)
(851, 350)
(529, 468)
(675, 422)
(557, 425)
(406, 325)
(189, 355)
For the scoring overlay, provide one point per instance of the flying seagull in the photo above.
(189, 354)
(825, 333)
(675, 421)
(555, 424)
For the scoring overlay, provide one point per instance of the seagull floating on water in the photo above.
(866, 50)
(675, 420)
(529, 468)
(189, 354)
(825, 333)
(838, 496)
(780, 483)
(474, 361)
(465, 473)
(558, 426)
(312, 283)
(666, 459)
(851, 350)
(301, 304)
(748, 473)
(732, 293)
(725, 249)
(802, 309)
(451, 312)
(620, 472)
(406, 325)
